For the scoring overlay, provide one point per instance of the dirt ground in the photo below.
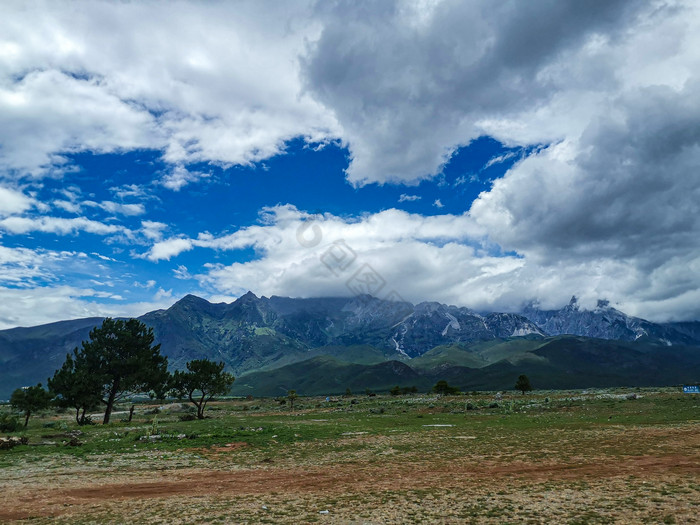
(444, 469)
(72, 496)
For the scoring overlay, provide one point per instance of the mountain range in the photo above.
(325, 345)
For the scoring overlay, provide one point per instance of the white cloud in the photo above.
(419, 257)
(103, 257)
(35, 306)
(606, 208)
(131, 190)
(153, 230)
(438, 203)
(444, 258)
(58, 225)
(500, 159)
(13, 202)
(179, 176)
(147, 285)
(117, 207)
(408, 94)
(213, 82)
(41, 286)
(21, 266)
(47, 113)
(625, 192)
(181, 272)
(402, 84)
(168, 248)
(161, 294)
(70, 207)
(409, 198)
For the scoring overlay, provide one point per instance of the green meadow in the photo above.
(592, 456)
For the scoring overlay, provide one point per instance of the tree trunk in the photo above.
(200, 408)
(26, 419)
(198, 405)
(77, 415)
(131, 412)
(110, 402)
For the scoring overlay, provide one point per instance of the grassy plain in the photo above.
(596, 456)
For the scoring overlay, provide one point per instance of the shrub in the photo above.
(187, 417)
(9, 423)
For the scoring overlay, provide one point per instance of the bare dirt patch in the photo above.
(341, 479)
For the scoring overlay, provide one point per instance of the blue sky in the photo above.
(308, 176)
(460, 151)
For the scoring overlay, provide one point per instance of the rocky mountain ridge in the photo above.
(259, 334)
(605, 322)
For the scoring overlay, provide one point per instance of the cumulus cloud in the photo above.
(411, 82)
(13, 202)
(201, 82)
(153, 230)
(47, 113)
(625, 191)
(445, 258)
(403, 84)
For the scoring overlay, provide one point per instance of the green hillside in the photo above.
(552, 363)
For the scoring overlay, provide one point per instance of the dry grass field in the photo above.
(598, 456)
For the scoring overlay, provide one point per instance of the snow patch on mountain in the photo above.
(454, 323)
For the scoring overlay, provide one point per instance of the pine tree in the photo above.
(118, 360)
